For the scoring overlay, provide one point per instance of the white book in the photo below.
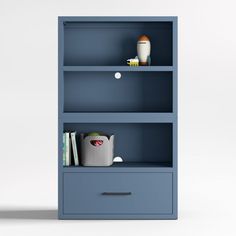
(68, 149)
(74, 148)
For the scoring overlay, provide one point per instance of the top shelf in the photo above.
(118, 68)
(111, 43)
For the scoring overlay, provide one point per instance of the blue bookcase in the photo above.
(140, 109)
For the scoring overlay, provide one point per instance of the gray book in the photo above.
(74, 148)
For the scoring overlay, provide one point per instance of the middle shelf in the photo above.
(117, 117)
(131, 92)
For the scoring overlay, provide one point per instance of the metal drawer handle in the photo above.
(116, 193)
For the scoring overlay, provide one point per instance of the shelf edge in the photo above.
(117, 117)
(118, 68)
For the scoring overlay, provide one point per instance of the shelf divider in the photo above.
(117, 117)
(117, 68)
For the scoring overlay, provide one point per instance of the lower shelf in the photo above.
(142, 143)
(121, 166)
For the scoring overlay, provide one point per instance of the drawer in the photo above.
(118, 193)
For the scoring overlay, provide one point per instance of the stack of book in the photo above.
(69, 147)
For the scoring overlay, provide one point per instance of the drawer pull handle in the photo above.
(116, 193)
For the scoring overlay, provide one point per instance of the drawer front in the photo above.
(118, 193)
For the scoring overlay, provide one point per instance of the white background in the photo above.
(28, 117)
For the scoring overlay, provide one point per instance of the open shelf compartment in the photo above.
(134, 92)
(138, 144)
(112, 43)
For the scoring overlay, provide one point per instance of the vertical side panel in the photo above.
(60, 112)
(175, 111)
(175, 66)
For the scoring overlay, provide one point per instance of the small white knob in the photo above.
(117, 75)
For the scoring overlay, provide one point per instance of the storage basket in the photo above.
(97, 150)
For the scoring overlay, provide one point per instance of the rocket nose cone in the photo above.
(143, 38)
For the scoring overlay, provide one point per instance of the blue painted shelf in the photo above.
(140, 109)
(118, 68)
(118, 117)
(128, 166)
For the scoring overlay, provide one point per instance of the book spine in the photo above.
(67, 149)
(74, 147)
(64, 149)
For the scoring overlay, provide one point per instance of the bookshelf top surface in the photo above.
(118, 18)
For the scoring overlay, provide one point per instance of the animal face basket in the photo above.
(97, 150)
